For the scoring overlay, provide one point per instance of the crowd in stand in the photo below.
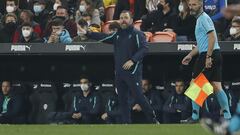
(61, 21)
(82, 102)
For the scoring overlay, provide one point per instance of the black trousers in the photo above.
(125, 84)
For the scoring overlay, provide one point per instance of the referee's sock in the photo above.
(195, 111)
(223, 101)
(234, 124)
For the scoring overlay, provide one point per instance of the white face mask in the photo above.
(82, 8)
(37, 9)
(180, 8)
(26, 33)
(84, 87)
(233, 31)
(10, 9)
(55, 6)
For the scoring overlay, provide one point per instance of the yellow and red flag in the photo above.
(199, 89)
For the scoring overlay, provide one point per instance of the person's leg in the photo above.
(125, 113)
(222, 99)
(234, 124)
(134, 84)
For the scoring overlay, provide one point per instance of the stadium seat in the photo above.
(74, 90)
(109, 11)
(43, 102)
(163, 37)
(148, 36)
(137, 24)
(105, 26)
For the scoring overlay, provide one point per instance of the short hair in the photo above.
(9, 15)
(114, 25)
(8, 81)
(85, 14)
(180, 80)
(84, 77)
(28, 13)
(57, 22)
(63, 7)
(127, 11)
(82, 23)
(236, 19)
(26, 24)
(15, 1)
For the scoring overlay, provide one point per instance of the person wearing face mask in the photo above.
(86, 7)
(40, 12)
(58, 33)
(86, 107)
(82, 24)
(234, 30)
(69, 24)
(26, 16)
(10, 25)
(185, 23)
(28, 35)
(160, 19)
(12, 7)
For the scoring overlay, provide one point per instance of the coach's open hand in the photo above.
(208, 63)
(128, 65)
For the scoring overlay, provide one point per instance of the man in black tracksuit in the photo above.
(129, 49)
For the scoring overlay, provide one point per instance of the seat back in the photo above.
(137, 24)
(163, 37)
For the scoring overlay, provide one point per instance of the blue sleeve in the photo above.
(65, 38)
(222, 4)
(207, 24)
(142, 47)
(102, 37)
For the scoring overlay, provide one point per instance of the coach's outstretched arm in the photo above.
(102, 37)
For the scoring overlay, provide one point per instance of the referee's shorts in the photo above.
(215, 72)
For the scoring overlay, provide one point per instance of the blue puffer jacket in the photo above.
(64, 37)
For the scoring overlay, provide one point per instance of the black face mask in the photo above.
(11, 26)
(160, 7)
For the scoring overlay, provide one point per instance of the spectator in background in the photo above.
(10, 25)
(160, 19)
(177, 106)
(87, 106)
(82, 25)
(136, 7)
(185, 23)
(28, 35)
(114, 27)
(107, 3)
(26, 16)
(1, 25)
(26, 4)
(70, 25)
(151, 5)
(213, 8)
(235, 30)
(58, 3)
(58, 33)
(12, 7)
(41, 14)
(153, 97)
(87, 7)
(10, 106)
